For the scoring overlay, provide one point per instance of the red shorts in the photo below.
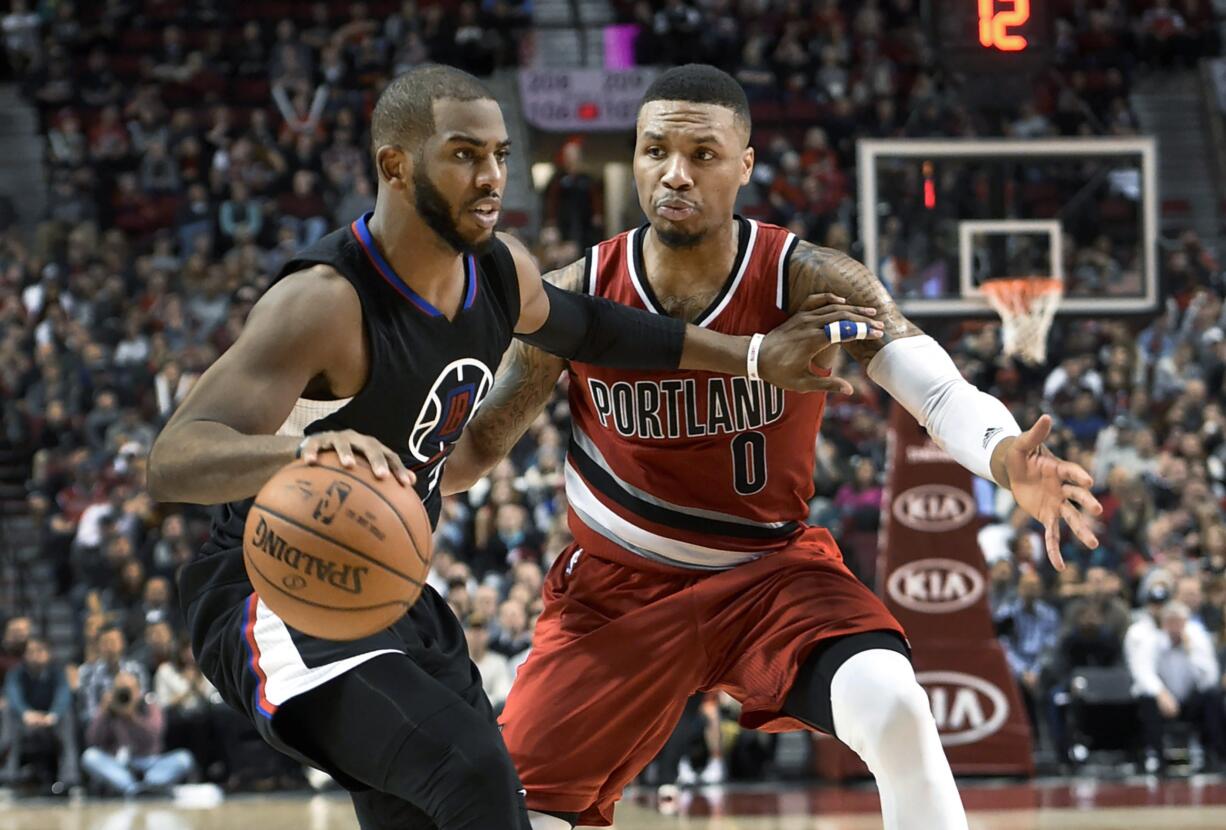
(620, 648)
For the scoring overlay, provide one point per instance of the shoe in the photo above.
(667, 798)
(1153, 764)
(686, 777)
(713, 772)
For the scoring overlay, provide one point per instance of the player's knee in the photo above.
(905, 712)
(878, 702)
(486, 771)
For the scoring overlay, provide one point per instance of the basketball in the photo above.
(334, 552)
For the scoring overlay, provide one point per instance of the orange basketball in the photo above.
(336, 553)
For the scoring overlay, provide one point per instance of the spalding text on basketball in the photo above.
(347, 578)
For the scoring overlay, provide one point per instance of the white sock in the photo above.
(882, 713)
(540, 821)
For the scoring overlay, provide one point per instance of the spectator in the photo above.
(512, 638)
(1028, 630)
(39, 715)
(303, 210)
(574, 200)
(996, 540)
(494, 667)
(13, 647)
(1177, 677)
(98, 677)
(190, 704)
(1103, 595)
(240, 217)
(125, 743)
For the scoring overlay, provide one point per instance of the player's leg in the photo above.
(789, 623)
(419, 746)
(614, 657)
(862, 689)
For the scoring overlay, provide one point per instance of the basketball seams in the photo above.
(395, 512)
(272, 584)
(341, 545)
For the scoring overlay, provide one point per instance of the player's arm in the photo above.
(219, 445)
(598, 331)
(525, 382)
(976, 429)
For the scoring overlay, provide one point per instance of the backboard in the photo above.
(937, 218)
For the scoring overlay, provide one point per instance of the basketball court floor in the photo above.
(1196, 804)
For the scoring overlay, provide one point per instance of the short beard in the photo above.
(680, 239)
(436, 211)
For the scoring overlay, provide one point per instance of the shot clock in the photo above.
(991, 36)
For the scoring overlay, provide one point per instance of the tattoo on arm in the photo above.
(813, 270)
(523, 387)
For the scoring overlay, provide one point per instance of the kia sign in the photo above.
(566, 100)
(966, 708)
(934, 508)
(936, 586)
(932, 577)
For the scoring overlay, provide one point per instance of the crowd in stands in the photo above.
(192, 148)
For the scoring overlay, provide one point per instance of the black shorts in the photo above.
(378, 714)
(258, 663)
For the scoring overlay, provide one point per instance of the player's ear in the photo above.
(747, 158)
(394, 166)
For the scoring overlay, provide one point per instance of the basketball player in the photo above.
(380, 341)
(692, 568)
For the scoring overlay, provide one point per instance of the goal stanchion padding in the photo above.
(933, 578)
(1027, 306)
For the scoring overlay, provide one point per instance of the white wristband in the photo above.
(751, 359)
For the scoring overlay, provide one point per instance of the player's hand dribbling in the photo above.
(348, 444)
(789, 350)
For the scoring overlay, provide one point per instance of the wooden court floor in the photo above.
(1073, 806)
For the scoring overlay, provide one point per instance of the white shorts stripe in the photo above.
(286, 674)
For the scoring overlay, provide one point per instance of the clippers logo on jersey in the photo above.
(672, 408)
(453, 399)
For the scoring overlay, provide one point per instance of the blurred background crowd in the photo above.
(190, 153)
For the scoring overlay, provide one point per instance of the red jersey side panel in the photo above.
(686, 468)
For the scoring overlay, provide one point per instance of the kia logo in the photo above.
(966, 708)
(936, 586)
(934, 508)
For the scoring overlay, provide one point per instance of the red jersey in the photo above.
(688, 468)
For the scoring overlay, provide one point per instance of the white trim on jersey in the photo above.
(593, 268)
(285, 674)
(633, 272)
(673, 551)
(307, 412)
(783, 264)
(707, 319)
(585, 443)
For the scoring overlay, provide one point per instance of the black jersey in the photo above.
(427, 374)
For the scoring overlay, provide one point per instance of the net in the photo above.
(1026, 307)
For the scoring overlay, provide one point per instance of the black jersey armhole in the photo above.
(499, 266)
(785, 275)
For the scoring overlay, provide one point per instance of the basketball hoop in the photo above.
(1026, 307)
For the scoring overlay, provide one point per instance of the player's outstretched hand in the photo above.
(1051, 489)
(789, 350)
(347, 444)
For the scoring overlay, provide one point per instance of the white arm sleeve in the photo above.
(966, 423)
